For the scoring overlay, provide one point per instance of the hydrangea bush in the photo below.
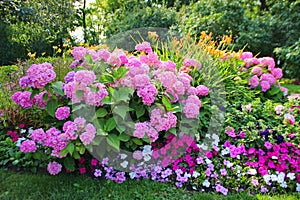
(121, 115)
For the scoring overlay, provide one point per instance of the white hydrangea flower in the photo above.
(206, 183)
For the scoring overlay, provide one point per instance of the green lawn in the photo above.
(68, 186)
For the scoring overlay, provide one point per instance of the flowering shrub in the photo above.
(147, 116)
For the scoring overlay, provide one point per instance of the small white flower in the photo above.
(229, 165)
(267, 178)
(206, 183)
(147, 157)
(274, 157)
(207, 135)
(202, 146)
(281, 176)
(252, 171)
(147, 150)
(283, 184)
(298, 187)
(274, 177)
(187, 175)
(225, 151)
(208, 161)
(23, 131)
(215, 137)
(291, 176)
(19, 141)
(124, 164)
(194, 188)
(238, 157)
(123, 156)
(30, 130)
(196, 174)
(132, 175)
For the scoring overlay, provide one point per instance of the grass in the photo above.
(292, 88)
(69, 186)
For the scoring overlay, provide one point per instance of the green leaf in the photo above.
(101, 112)
(137, 141)
(88, 58)
(274, 91)
(140, 111)
(76, 155)
(120, 72)
(110, 124)
(57, 88)
(107, 100)
(45, 96)
(167, 103)
(52, 106)
(37, 155)
(120, 128)
(68, 149)
(69, 163)
(121, 110)
(79, 93)
(173, 131)
(113, 141)
(125, 93)
(34, 92)
(124, 137)
(106, 79)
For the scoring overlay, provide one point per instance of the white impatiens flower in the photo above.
(123, 156)
(147, 150)
(124, 164)
(252, 171)
(267, 178)
(274, 157)
(206, 183)
(225, 151)
(291, 176)
(281, 176)
(297, 187)
(202, 146)
(274, 177)
(147, 157)
(132, 175)
(283, 184)
(208, 161)
(196, 174)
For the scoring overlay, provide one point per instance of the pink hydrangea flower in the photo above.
(279, 109)
(38, 135)
(192, 62)
(246, 55)
(78, 53)
(39, 99)
(41, 74)
(268, 77)
(23, 99)
(88, 136)
(137, 155)
(93, 97)
(140, 129)
(147, 93)
(62, 113)
(191, 110)
(103, 54)
(28, 146)
(145, 47)
(256, 71)
(254, 82)
(25, 82)
(84, 77)
(141, 80)
(80, 122)
(202, 90)
(54, 168)
(267, 61)
(168, 79)
(265, 85)
(277, 73)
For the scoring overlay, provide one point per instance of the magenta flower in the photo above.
(28, 146)
(62, 113)
(54, 168)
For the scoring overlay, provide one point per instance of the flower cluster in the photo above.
(263, 71)
(38, 76)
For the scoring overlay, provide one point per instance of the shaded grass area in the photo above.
(69, 186)
(292, 88)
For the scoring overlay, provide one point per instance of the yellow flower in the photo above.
(31, 55)
(59, 50)
(54, 47)
(43, 53)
